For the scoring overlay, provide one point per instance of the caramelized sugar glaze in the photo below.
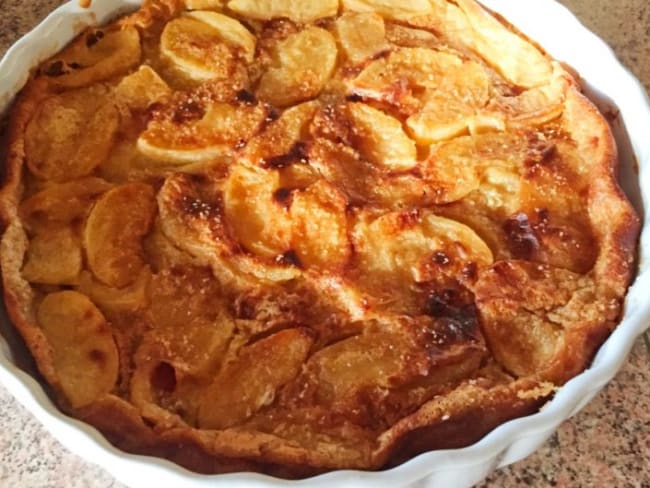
(292, 237)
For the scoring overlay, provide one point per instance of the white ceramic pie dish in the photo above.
(607, 82)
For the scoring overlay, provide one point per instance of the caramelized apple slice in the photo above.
(260, 223)
(197, 42)
(53, 257)
(96, 56)
(389, 8)
(71, 134)
(131, 298)
(279, 139)
(303, 11)
(141, 89)
(61, 204)
(301, 66)
(362, 35)
(84, 352)
(192, 217)
(188, 132)
(251, 380)
(402, 243)
(204, 45)
(381, 138)
(114, 231)
(320, 234)
(446, 93)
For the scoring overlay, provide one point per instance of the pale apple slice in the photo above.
(299, 11)
(389, 8)
(301, 66)
(381, 138)
(114, 231)
(518, 60)
(362, 35)
(85, 356)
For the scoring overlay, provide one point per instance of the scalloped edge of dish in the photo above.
(508, 443)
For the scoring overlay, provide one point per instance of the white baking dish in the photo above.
(607, 82)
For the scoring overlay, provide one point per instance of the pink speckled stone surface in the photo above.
(607, 444)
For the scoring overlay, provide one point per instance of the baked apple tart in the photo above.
(298, 236)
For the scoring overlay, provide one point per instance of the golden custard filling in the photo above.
(291, 237)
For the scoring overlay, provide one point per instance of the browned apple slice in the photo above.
(205, 45)
(141, 89)
(97, 55)
(188, 131)
(301, 66)
(320, 230)
(401, 243)
(131, 298)
(274, 145)
(53, 257)
(61, 204)
(114, 231)
(71, 134)
(85, 357)
(251, 380)
(260, 223)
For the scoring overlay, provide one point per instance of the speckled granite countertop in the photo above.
(607, 444)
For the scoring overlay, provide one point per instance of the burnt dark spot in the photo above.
(354, 98)
(244, 96)
(163, 378)
(522, 241)
(188, 112)
(282, 196)
(441, 258)
(470, 271)
(297, 154)
(540, 152)
(381, 54)
(456, 317)
(272, 115)
(55, 69)
(441, 303)
(93, 38)
(97, 356)
(75, 65)
(245, 308)
(289, 258)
